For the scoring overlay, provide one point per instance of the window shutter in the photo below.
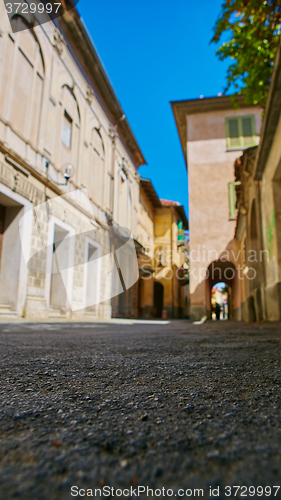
(248, 132)
(180, 230)
(240, 132)
(232, 200)
(233, 134)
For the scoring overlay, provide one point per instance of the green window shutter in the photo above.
(233, 135)
(248, 131)
(180, 225)
(232, 199)
(240, 132)
(180, 230)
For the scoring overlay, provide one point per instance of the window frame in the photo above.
(67, 117)
(241, 136)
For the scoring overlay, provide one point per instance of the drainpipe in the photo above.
(113, 133)
(261, 245)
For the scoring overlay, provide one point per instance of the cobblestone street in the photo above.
(125, 405)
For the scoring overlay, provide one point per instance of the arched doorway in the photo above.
(222, 272)
(158, 299)
(219, 301)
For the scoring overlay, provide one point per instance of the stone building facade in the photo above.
(163, 283)
(258, 228)
(212, 135)
(59, 115)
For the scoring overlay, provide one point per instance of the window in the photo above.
(97, 172)
(22, 106)
(66, 135)
(240, 132)
(232, 199)
(180, 230)
(123, 199)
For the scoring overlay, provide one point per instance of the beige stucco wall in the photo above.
(210, 169)
(145, 228)
(166, 233)
(31, 118)
(145, 235)
(271, 226)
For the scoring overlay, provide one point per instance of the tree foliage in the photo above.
(252, 29)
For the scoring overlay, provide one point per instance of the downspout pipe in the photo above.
(113, 133)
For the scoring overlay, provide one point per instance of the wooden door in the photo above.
(2, 226)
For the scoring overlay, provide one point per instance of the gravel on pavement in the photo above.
(173, 406)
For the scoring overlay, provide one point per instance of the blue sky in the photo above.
(154, 52)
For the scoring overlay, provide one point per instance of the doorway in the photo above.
(92, 275)
(158, 299)
(60, 259)
(223, 274)
(219, 301)
(11, 212)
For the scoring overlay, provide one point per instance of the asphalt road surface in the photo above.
(177, 408)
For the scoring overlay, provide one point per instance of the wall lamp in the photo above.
(69, 170)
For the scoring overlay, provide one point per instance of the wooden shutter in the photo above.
(232, 199)
(248, 132)
(233, 135)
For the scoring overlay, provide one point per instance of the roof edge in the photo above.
(271, 118)
(186, 107)
(150, 192)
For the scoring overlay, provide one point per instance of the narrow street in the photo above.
(171, 405)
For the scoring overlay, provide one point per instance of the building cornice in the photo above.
(150, 192)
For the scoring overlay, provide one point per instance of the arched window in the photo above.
(70, 131)
(98, 168)
(27, 81)
(124, 200)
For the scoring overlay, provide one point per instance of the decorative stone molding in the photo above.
(90, 95)
(18, 183)
(125, 170)
(7, 175)
(112, 132)
(29, 191)
(58, 41)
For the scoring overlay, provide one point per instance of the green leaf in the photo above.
(251, 45)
